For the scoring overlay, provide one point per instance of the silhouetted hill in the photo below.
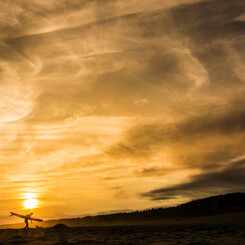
(222, 205)
(215, 205)
(211, 206)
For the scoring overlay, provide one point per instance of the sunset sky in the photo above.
(109, 105)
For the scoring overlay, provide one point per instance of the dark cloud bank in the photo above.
(230, 179)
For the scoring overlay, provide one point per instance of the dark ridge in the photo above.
(215, 205)
(211, 206)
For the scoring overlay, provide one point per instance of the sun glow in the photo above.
(30, 203)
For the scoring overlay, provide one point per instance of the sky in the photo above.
(111, 105)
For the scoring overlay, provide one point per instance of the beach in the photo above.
(193, 234)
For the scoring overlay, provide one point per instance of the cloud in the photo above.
(17, 96)
(144, 139)
(229, 179)
(128, 63)
(215, 37)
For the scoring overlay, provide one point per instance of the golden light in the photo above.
(29, 195)
(30, 203)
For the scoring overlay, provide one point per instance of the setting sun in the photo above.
(30, 203)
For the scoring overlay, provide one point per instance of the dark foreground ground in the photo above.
(168, 234)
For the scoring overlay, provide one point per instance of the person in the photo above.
(27, 217)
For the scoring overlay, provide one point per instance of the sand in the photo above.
(165, 235)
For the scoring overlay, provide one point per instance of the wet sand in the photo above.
(164, 235)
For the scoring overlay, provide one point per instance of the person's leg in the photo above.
(26, 221)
